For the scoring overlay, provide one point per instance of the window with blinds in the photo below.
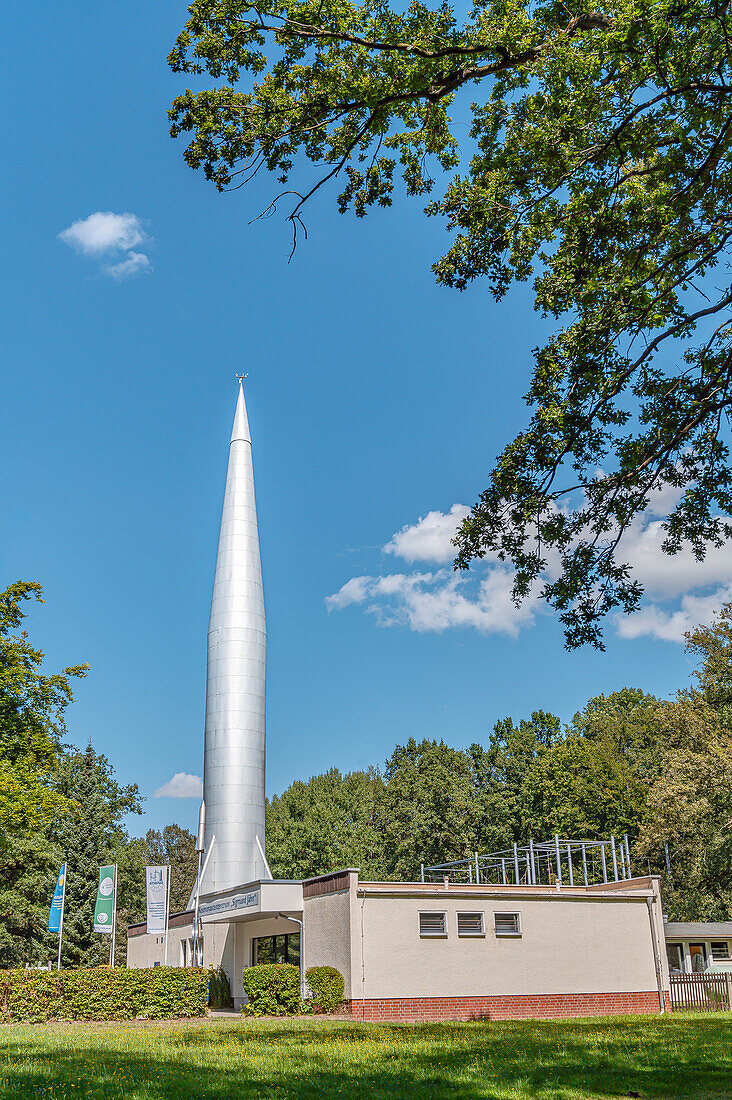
(432, 924)
(720, 949)
(507, 924)
(470, 924)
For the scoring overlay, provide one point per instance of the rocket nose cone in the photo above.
(241, 421)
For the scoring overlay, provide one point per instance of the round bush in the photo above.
(327, 986)
(273, 989)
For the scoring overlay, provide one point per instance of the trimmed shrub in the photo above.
(273, 989)
(157, 993)
(219, 990)
(326, 984)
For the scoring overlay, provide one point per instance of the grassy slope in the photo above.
(678, 1056)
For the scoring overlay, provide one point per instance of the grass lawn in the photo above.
(674, 1056)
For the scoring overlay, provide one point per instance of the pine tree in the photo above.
(92, 837)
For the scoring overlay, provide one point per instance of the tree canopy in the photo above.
(598, 166)
(59, 804)
(32, 725)
(329, 821)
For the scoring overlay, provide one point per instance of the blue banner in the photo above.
(54, 917)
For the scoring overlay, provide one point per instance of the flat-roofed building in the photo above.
(430, 951)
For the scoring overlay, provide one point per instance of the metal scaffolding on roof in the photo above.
(555, 862)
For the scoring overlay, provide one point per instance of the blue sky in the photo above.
(375, 398)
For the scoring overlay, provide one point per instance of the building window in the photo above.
(276, 949)
(675, 958)
(720, 950)
(470, 924)
(507, 924)
(432, 924)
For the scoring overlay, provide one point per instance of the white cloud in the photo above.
(182, 785)
(671, 625)
(666, 576)
(135, 263)
(105, 234)
(663, 499)
(439, 601)
(673, 580)
(435, 602)
(682, 592)
(354, 591)
(430, 538)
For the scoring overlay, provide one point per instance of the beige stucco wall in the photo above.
(568, 945)
(148, 949)
(328, 934)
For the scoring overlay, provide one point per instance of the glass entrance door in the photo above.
(698, 953)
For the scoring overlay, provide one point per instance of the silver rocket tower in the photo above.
(233, 767)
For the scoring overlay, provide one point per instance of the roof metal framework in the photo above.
(555, 862)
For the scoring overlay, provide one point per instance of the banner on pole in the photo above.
(54, 916)
(156, 881)
(104, 908)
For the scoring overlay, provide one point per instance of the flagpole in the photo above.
(167, 914)
(196, 931)
(61, 922)
(114, 918)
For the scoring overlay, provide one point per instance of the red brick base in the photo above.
(506, 1007)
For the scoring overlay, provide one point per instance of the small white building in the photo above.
(431, 951)
(693, 947)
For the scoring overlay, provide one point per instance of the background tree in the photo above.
(330, 821)
(585, 788)
(92, 836)
(32, 707)
(594, 780)
(690, 800)
(712, 645)
(598, 164)
(428, 811)
(690, 810)
(501, 777)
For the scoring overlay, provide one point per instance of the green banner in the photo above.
(104, 908)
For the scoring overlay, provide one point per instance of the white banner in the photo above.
(156, 881)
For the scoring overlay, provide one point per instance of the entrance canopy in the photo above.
(252, 901)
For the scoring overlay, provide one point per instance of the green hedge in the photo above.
(102, 994)
(326, 984)
(272, 989)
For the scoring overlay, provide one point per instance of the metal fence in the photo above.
(540, 863)
(701, 992)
